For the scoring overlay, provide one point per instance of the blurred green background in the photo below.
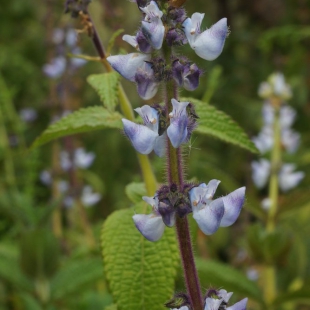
(50, 256)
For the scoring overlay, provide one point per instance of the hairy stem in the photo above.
(175, 176)
(145, 165)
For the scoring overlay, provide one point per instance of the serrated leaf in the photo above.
(106, 85)
(220, 125)
(83, 120)
(112, 39)
(140, 273)
(135, 191)
(74, 276)
(222, 275)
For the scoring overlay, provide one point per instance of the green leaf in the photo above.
(111, 307)
(83, 120)
(221, 275)
(218, 124)
(29, 302)
(140, 273)
(135, 191)
(106, 85)
(301, 295)
(76, 275)
(112, 40)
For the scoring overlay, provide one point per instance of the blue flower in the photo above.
(152, 25)
(151, 226)
(145, 138)
(177, 130)
(208, 44)
(211, 214)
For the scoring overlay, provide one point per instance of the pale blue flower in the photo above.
(151, 226)
(83, 159)
(260, 172)
(289, 179)
(89, 197)
(177, 130)
(211, 214)
(56, 68)
(208, 44)
(152, 25)
(145, 138)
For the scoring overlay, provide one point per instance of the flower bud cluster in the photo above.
(171, 201)
(163, 24)
(290, 140)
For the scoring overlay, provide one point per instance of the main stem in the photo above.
(270, 287)
(175, 176)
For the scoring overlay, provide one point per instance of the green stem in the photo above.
(270, 286)
(145, 165)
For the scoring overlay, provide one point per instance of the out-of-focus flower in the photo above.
(275, 86)
(252, 274)
(146, 138)
(208, 44)
(82, 159)
(89, 198)
(260, 172)
(46, 177)
(28, 114)
(56, 68)
(266, 203)
(65, 162)
(289, 179)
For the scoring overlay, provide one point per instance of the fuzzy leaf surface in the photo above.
(220, 125)
(140, 273)
(216, 274)
(106, 85)
(135, 191)
(83, 120)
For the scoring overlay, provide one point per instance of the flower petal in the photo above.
(177, 131)
(260, 172)
(241, 305)
(209, 217)
(146, 85)
(224, 295)
(209, 44)
(160, 145)
(131, 40)
(127, 65)
(141, 137)
(232, 205)
(289, 179)
(191, 79)
(212, 303)
(149, 116)
(150, 226)
(211, 188)
(154, 32)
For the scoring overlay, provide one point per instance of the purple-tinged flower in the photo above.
(212, 303)
(186, 75)
(241, 305)
(208, 44)
(77, 62)
(224, 295)
(145, 138)
(151, 226)
(127, 65)
(177, 130)
(46, 177)
(211, 214)
(89, 198)
(289, 179)
(182, 308)
(260, 172)
(146, 85)
(71, 37)
(252, 274)
(56, 68)
(152, 25)
(65, 161)
(139, 42)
